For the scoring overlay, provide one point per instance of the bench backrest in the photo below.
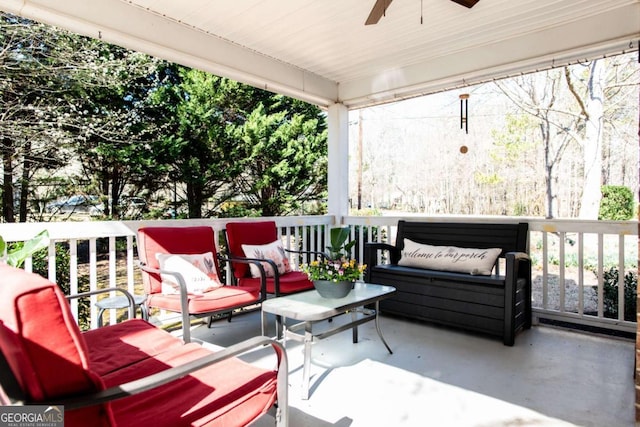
(508, 237)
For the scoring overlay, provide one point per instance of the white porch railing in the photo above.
(571, 252)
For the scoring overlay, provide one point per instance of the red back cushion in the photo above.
(40, 338)
(172, 240)
(248, 233)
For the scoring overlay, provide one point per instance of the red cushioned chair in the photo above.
(130, 373)
(260, 233)
(189, 241)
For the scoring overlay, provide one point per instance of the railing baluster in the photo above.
(621, 278)
(581, 273)
(93, 281)
(545, 270)
(561, 265)
(73, 275)
(113, 280)
(600, 275)
(52, 261)
(130, 265)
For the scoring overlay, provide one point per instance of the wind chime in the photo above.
(464, 118)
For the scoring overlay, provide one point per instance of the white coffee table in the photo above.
(309, 307)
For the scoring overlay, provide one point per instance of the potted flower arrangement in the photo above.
(333, 276)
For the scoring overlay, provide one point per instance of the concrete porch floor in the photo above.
(444, 377)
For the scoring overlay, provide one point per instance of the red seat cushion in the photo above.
(295, 281)
(122, 344)
(231, 392)
(218, 299)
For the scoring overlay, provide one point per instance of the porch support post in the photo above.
(338, 167)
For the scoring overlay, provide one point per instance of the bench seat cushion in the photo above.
(496, 280)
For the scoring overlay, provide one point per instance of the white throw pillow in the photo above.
(273, 251)
(449, 258)
(198, 271)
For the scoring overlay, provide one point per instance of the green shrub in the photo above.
(610, 292)
(616, 203)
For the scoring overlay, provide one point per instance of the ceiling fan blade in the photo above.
(466, 3)
(378, 11)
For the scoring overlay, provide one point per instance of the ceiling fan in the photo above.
(381, 6)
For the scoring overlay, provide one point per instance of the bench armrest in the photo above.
(517, 266)
(371, 251)
(511, 258)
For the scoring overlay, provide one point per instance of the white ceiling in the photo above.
(321, 51)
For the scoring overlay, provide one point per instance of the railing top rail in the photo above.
(12, 232)
(535, 224)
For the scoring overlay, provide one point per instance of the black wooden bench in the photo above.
(496, 304)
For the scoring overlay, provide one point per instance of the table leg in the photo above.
(308, 340)
(264, 323)
(380, 331)
(355, 328)
(279, 323)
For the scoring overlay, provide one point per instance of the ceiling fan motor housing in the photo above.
(466, 3)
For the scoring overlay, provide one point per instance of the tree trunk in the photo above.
(548, 167)
(8, 152)
(194, 200)
(115, 194)
(24, 182)
(592, 146)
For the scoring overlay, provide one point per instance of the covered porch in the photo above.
(436, 376)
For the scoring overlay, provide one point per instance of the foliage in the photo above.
(197, 108)
(17, 253)
(337, 267)
(283, 153)
(610, 293)
(33, 63)
(236, 210)
(138, 125)
(338, 246)
(616, 203)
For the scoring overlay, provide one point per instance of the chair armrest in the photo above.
(263, 274)
(178, 276)
(155, 380)
(184, 300)
(132, 303)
